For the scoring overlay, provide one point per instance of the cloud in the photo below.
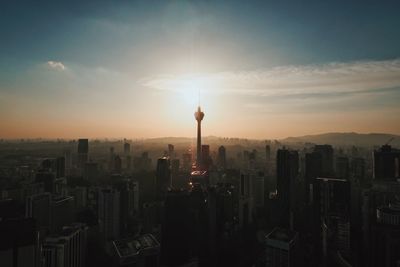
(56, 65)
(334, 78)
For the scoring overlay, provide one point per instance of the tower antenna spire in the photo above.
(199, 96)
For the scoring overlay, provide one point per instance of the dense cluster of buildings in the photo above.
(304, 205)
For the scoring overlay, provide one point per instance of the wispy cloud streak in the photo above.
(56, 65)
(332, 78)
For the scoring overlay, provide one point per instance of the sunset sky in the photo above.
(134, 69)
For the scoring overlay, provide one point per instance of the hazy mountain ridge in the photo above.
(357, 139)
(334, 138)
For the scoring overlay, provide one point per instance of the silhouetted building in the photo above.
(268, 153)
(357, 169)
(259, 188)
(67, 248)
(177, 229)
(38, 207)
(83, 150)
(313, 162)
(127, 148)
(171, 151)
(60, 167)
(141, 251)
(205, 157)
(129, 201)
(163, 175)
(111, 160)
(246, 201)
(187, 161)
(18, 242)
(287, 174)
(61, 212)
(142, 163)
(387, 163)
(342, 167)
(282, 248)
(109, 213)
(326, 152)
(91, 172)
(334, 206)
(222, 157)
(48, 179)
(117, 164)
(381, 230)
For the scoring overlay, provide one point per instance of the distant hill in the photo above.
(357, 139)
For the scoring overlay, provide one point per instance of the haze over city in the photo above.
(190, 133)
(263, 69)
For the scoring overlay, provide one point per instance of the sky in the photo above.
(138, 69)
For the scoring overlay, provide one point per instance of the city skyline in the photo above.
(264, 70)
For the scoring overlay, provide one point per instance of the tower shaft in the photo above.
(199, 161)
(199, 115)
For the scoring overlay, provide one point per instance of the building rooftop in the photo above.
(281, 238)
(142, 245)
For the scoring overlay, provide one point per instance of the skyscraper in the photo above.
(312, 172)
(334, 207)
(109, 213)
(199, 115)
(287, 172)
(83, 149)
(281, 248)
(66, 249)
(222, 157)
(387, 163)
(171, 150)
(163, 175)
(127, 148)
(268, 153)
(205, 157)
(326, 152)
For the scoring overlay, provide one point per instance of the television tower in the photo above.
(199, 115)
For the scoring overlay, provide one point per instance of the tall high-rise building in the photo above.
(129, 197)
(334, 207)
(39, 207)
(111, 160)
(268, 153)
(387, 163)
(127, 148)
(342, 167)
(187, 161)
(177, 229)
(83, 150)
(282, 248)
(222, 157)
(67, 248)
(60, 167)
(326, 152)
(141, 251)
(109, 213)
(18, 242)
(199, 115)
(68, 159)
(163, 175)
(117, 164)
(206, 160)
(171, 150)
(287, 174)
(61, 212)
(385, 236)
(246, 200)
(313, 162)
